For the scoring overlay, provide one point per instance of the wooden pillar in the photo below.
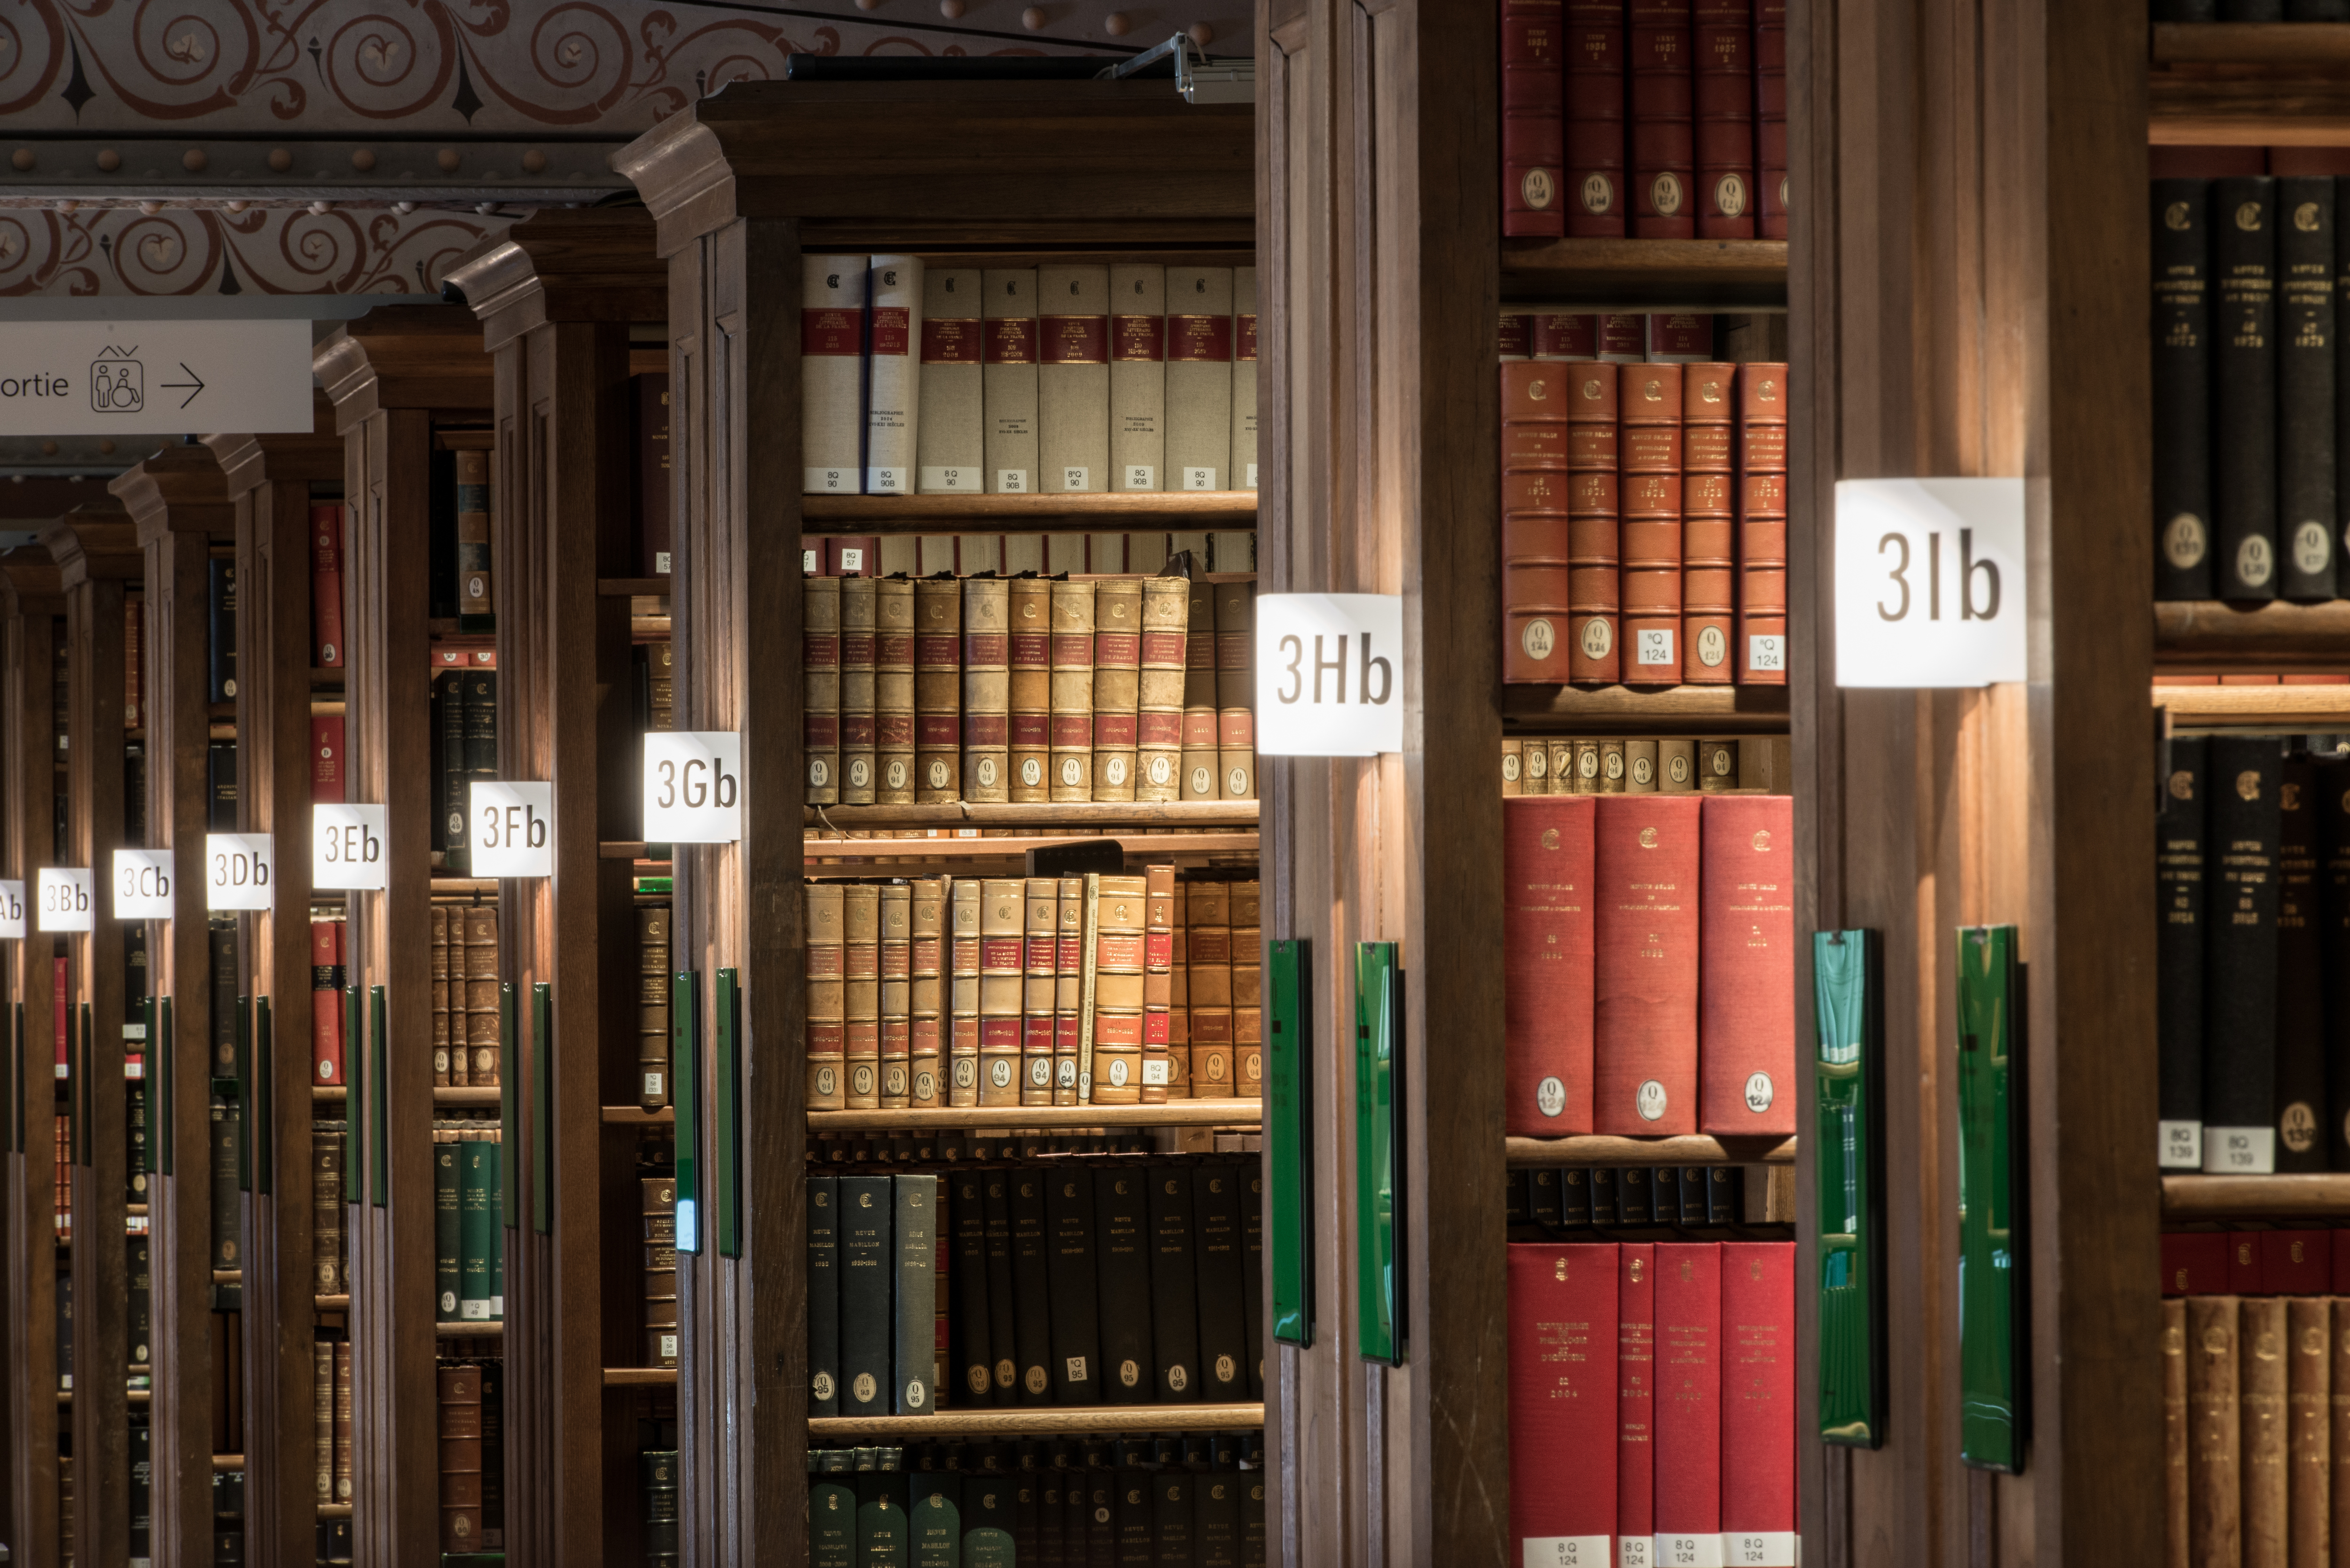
(32, 612)
(179, 503)
(98, 555)
(268, 479)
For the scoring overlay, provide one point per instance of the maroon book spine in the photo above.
(1770, 118)
(1724, 73)
(1664, 161)
(1636, 1391)
(1563, 1350)
(1758, 1404)
(652, 412)
(1645, 964)
(326, 584)
(2296, 1263)
(1533, 78)
(2195, 1263)
(1688, 1401)
(327, 758)
(1650, 485)
(1594, 592)
(1746, 967)
(326, 1011)
(1762, 524)
(1547, 848)
(1534, 526)
(1709, 525)
(1597, 198)
(2244, 1263)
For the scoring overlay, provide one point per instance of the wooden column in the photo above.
(32, 611)
(179, 503)
(268, 479)
(555, 295)
(98, 555)
(387, 373)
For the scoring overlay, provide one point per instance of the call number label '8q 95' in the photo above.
(1929, 582)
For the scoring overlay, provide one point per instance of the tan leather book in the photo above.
(938, 690)
(1717, 767)
(322, 1403)
(893, 692)
(1179, 1004)
(986, 689)
(861, 994)
(2340, 1466)
(1039, 986)
(1115, 1043)
(1650, 531)
(482, 1015)
(1611, 766)
(462, 1456)
(1762, 643)
(1202, 779)
(820, 665)
(1208, 982)
(1198, 378)
(1639, 767)
(1594, 545)
(658, 1198)
(1675, 767)
(2214, 1491)
(1157, 980)
(1137, 376)
(1072, 379)
(828, 996)
(1073, 691)
(1244, 378)
(1068, 986)
(1029, 738)
(926, 994)
(2309, 1437)
(1248, 992)
(442, 1031)
(1008, 379)
(1002, 907)
(897, 996)
(832, 373)
(1159, 723)
(1118, 664)
(949, 436)
(653, 980)
(345, 1472)
(1533, 767)
(859, 604)
(893, 338)
(962, 993)
(1564, 779)
(2175, 1439)
(2262, 1386)
(1513, 766)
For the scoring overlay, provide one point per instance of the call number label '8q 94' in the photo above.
(1329, 674)
(1929, 587)
(693, 788)
(514, 829)
(68, 901)
(347, 847)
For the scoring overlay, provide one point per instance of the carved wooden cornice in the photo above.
(596, 264)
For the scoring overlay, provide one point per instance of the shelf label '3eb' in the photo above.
(348, 851)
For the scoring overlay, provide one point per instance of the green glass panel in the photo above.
(1380, 1278)
(1289, 1094)
(1847, 1118)
(1992, 1297)
(685, 1098)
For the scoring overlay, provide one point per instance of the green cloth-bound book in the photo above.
(498, 1157)
(446, 1234)
(475, 1181)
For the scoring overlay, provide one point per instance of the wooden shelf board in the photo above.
(1739, 710)
(632, 587)
(1050, 1421)
(2210, 636)
(637, 1116)
(2250, 43)
(1014, 848)
(2256, 707)
(1093, 814)
(467, 1095)
(331, 1304)
(469, 1330)
(640, 1377)
(1591, 1149)
(2319, 1194)
(1104, 512)
(450, 886)
(333, 1092)
(228, 1461)
(2248, 84)
(1173, 1114)
(1700, 273)
(334, 1510)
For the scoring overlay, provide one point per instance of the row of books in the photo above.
(2254, 1428)
(468, 1254)
(1059, 379)
(946, 1145)
(1683, 1440)
(2257, 1260)
(1668, 764)
(1686, 1196)
(1114, 1281)
(1643, 516)
(1060, 1503)
(1649, 964)
(2252, 878)
(1028, 688)
(466, 1018)
(1226, 550)
(1093, 990)
(1660, 118)
(464, 730)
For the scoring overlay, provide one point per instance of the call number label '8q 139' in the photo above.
(68, 901)
(1929, 587)
(1329, 674)
(240, 871)
(143, 884)
(514, 829)
(347, 847)
(693, 788)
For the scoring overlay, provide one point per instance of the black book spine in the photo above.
(865, 1270)
(2244, 428)
(2239, 957)
(2251, 10)
(1253, 1273)
(2185, 10)
(1025, 1535)
(1514, 1211)
(1172, 1533)
(1575, 1197)
(449, 831)
(2301, 979)
(1032, 1290)
(142, 1317)
(134, 791)
(2306, 351)
(914, 1242)
(1216, 1518)
(220, 933)
(1134, 1511)
(1174, 1286)
(824, 1296)
(1223, 1321)
(1541, 1196)
(1632, 1202)
(1603, 1195)
(1002, 1342)
(1077, 1286)
(1725, 1195)
(2317, 10)
(440, 538)
(220, 780)
(222, 641)
(1665, 1194)
(481, 724)
(1693, 1184)
(228, 1251)
(2179, 853)
(2334, 842)
(1122, 1246)
(974, 1359)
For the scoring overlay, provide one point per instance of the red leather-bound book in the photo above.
(1709, 525)
(2341, 1281)
(1645, 964)
(1663, 152)
(1746, 966)
(1724, 70)
(61, 1016)
(1689, 1404)
(1533, 78)
(326, 1008)
(2195, 1263)
(1593, 596)
(327, 758)
(1770, 118)
(2296, 1263)
(1562, 1445)
(1635, 1401)
(1762, 524)
(1547, 937)
(2244, 1263)
(1649, 479)
(326, 584)
(1596, 200)
(1534, 527)
(1758, 1404)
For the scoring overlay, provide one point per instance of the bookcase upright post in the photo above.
(97, 556)
(178, 502)
(268, 479)
(555, 296)
(32, 613)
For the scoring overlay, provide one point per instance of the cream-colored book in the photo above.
(1008, 379)
(950, 435)
(1198, 378)
(892, 393)
(1072, 379)
(1244, 378)
(832, 373)
(1138, 377)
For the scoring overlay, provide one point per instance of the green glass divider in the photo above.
(1381, 1280)
(355, 1049)
(726, 1156)
(542, 1108)
(159, 1030)
(1289, 1094)
(509, 1109)
(241, 1069)
(379, 1125)
(1847, 1128)
(685, 1098)
(1991, 1298)
(260, 1132)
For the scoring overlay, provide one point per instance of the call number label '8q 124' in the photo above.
(1929, 587)
(347, 847)
(693, 788)
(1329, 674)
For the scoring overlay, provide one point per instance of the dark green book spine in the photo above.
(824, 1296)
(2244, 419)
(447, 1233)
(1075, 1287)
(228, 1230)
(2334, 842)
(2300, 1094)
(1031, 1295)
(1122, 1250)
(220, 936)
(1574, 1196)
(1253, 1549)
(1993, 1237)
(916, 1301)
(973, 1356)
(1542, 1196)
(473, 1231)
(865, 1271)
(1252, 1272)
(1846, 1103)
(881, 1524)
(221, 632)
(1224, 1358)
(1137, 1511)
(934, 1515)
(495, 1153)
(2182, 389)
(448, 833)
(481, 724)
(1003, 1341)
(2305, 349)
(2240, 956)
(1174, 1287)
(1172, 1533)
(1216, 1518)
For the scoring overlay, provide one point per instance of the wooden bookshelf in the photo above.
(2323, 1194)
(2208, 637)
(1637, 709)
(1052, 1421)
(1650, 274)
(1193, 815)
(2255, 707)
(1173, 1114)
(1590, 1149)
(1027, 513)
(2248, 84)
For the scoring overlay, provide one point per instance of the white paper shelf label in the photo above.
(12, 912)
(693, 788)
(1929, 582)
(68, 902)
(1329, 674)
(240, 871)
(348, 847)
(514, 829)
(143, 884)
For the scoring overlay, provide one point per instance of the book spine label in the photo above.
(1532, 145)
(2245, 385)
(2182, 389)
(1746, 947)
(1645, 969)
(833, 350)
(2241, 957)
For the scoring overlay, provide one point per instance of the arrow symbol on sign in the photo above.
(193, 379)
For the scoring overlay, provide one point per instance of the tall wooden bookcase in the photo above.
(739, 187)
